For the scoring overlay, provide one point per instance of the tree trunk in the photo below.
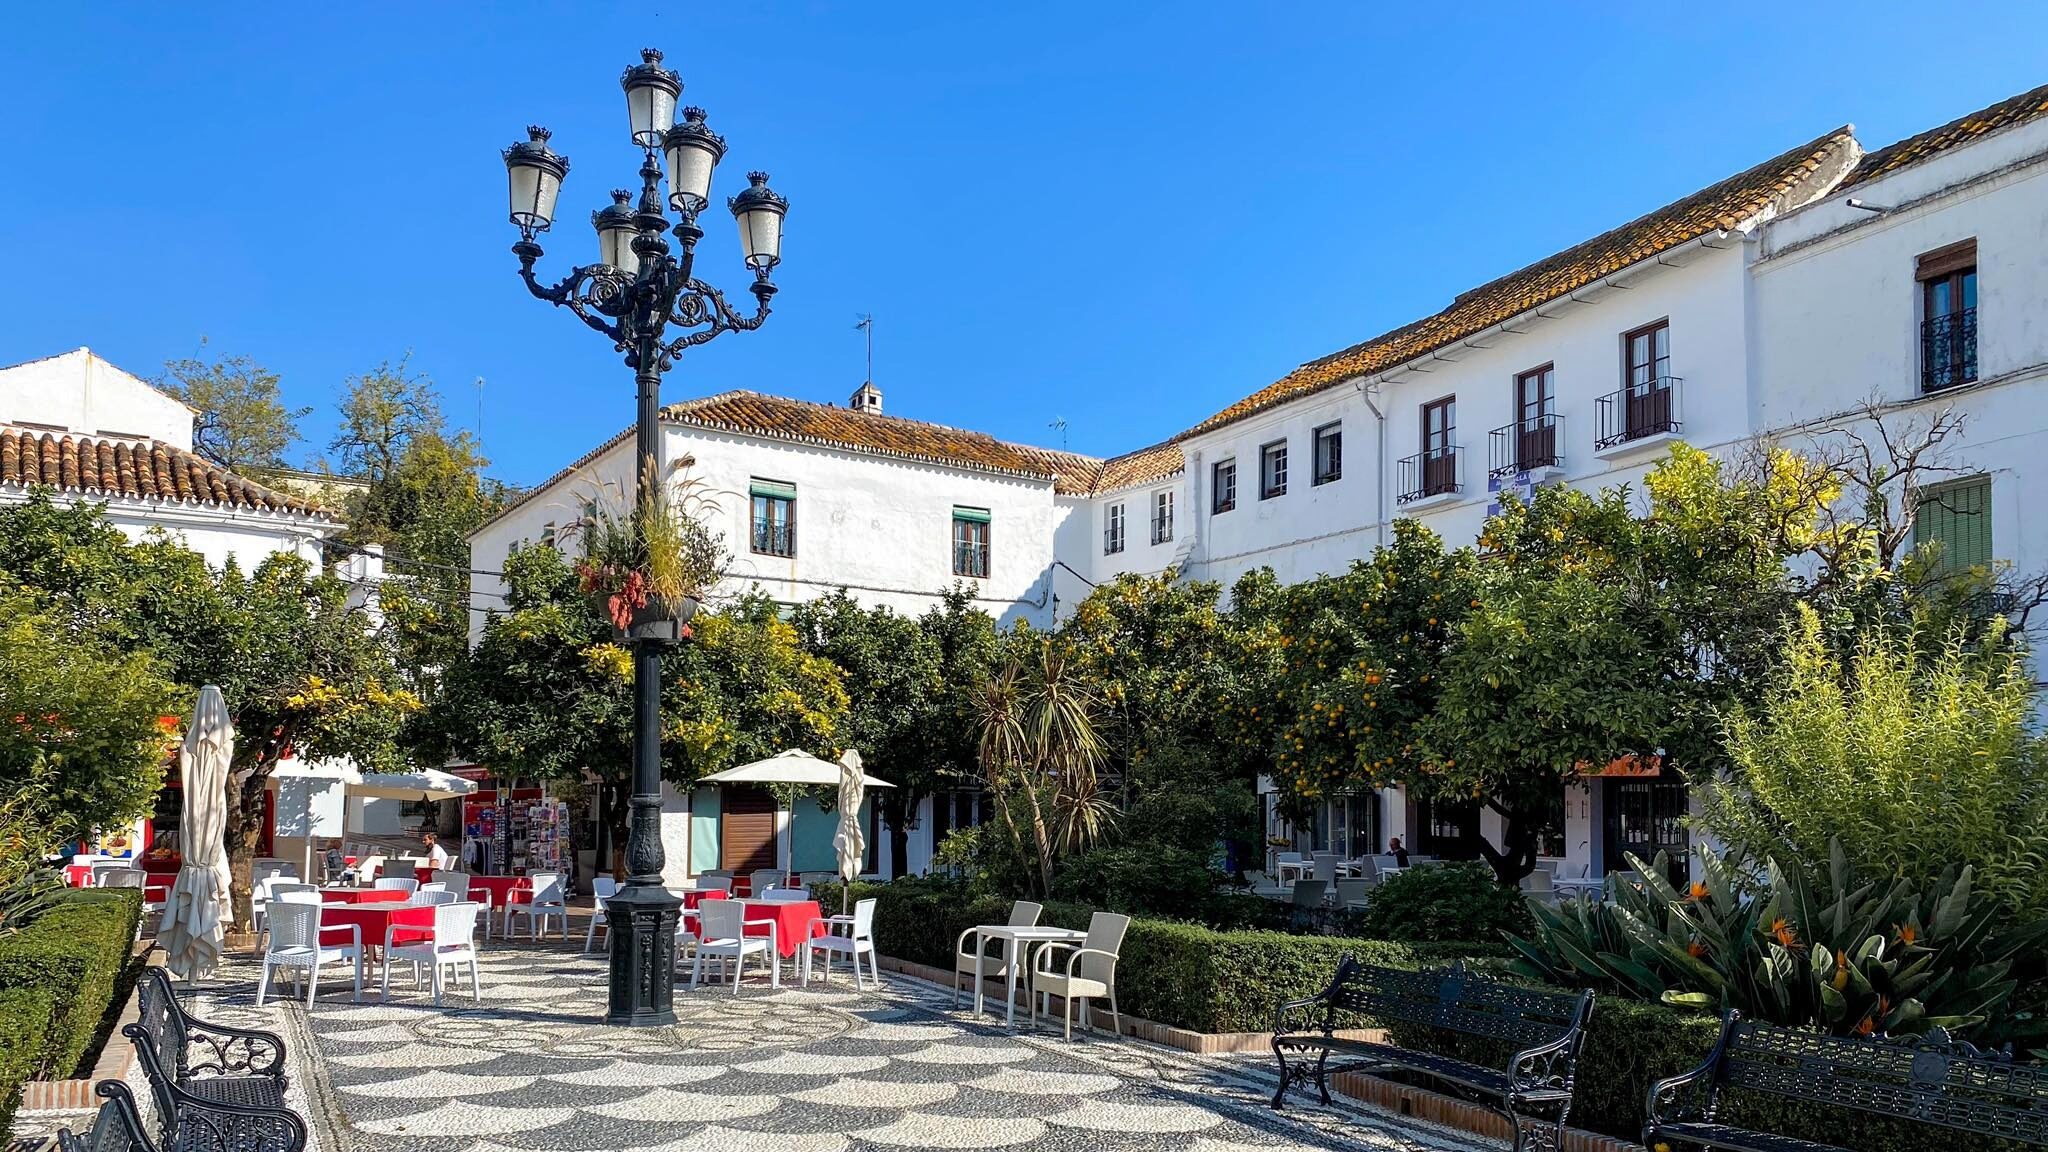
(244, 828)
(1517, 858)
(1043, 837)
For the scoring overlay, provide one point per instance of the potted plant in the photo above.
(645, 564)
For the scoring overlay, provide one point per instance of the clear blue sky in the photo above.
(1122, 215)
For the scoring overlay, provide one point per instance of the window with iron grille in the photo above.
(1273, 470)
(1223, 485)
(1113, 529)
(1162, 516)
(1955, 519)
(1329, 444)
(1948, 316)
(774, 525)
(970, 542)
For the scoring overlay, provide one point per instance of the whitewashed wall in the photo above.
(879, 526)
(84, 395)
(219, 534)
(1838, 319)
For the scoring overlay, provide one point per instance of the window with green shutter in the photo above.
(1957, 516)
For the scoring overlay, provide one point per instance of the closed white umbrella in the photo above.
(196, 911)
(849, 841)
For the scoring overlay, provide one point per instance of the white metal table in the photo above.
(1020, 939)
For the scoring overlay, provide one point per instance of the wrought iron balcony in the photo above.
(1637, 412)
(1948, 350)
(1525, 446)
(774, 538)
(1429, 473)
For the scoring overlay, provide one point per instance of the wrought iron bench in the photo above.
(217, 1062)
(1931, 1079)
(1543, 1030)
(117, 1128)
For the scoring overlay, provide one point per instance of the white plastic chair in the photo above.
(407, 885)
(435, 896)
(786, 894)
(1540, 885)
(858, 941)
(1288, 866)
(272, 866)
(268, 890)
(100, 869)
(996, 965)
(602, 888)
(456, 882)
(1351, 893)
(549, 898)
(715, 881)
(295, 944)
(765, 878)
(119, 878)
(723, 937)
(1089, 972)
(452, 945)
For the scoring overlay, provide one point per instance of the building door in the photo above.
(1645, 817)
(1649, 381)
(1535, 421)
(1447, 830)
(1439, 450)
(746, 830)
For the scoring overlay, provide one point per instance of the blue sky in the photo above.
(1126, 216)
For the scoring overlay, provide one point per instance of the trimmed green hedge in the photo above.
(25, 1015)
(1184, 975)
(58, 978)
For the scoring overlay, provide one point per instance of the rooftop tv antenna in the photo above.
(1059, 425)
(867, 326)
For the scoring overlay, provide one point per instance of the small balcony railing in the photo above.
(1948, 350)
(1429, 473)
(1637, 412)
(772, 538)
(1525, 446)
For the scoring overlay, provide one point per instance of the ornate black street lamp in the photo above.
(647, 302)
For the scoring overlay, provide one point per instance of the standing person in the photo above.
(1399, 853)
(437, 856)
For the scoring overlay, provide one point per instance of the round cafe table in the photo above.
(415, 921)
(498, 891)
(362, 896)
(796, 921)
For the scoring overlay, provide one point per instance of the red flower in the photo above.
(167, 724)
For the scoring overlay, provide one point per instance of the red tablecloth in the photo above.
(793, 922)
(423, 875)
(78, 875)
(692, 899)
(362, 896)
(498, 891)
(374, 919)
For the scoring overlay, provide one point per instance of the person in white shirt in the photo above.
(437, 856)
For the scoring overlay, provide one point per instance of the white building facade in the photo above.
(1772, 304)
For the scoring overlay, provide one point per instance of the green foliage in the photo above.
(1852, 955)
(83, 734)
(1915, 755)
(1154, 877)
(302, 670)
(1443, 902)
(243, 423)
(1040, 753)
(645, 548)
(71, 963)
(25, 1016)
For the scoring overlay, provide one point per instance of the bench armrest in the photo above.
(1546, 1067)
(1303, 1014)
(1689, 1096)
(224, 1050)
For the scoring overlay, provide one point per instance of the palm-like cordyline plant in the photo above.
(1039, 752)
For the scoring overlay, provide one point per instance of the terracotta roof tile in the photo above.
(136, 469)
(1913, 149)
(1143, 467)
(1725, 205)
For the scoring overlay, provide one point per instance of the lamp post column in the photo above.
(641, 918)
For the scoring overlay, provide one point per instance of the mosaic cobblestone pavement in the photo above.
(533, 1068)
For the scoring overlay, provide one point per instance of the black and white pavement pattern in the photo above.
(532, 1067)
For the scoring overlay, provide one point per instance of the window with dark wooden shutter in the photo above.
(1956, 517)
(746, 834)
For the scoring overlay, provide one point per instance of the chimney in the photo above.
(867, 398)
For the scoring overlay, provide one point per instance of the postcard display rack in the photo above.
(514, 831)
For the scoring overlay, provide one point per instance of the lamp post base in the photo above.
(641, 922)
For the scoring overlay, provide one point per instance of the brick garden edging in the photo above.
(1401, 1099)
(116, 1059)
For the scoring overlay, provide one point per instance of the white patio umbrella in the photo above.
(196, 911)
(851, 845)
(794, 766)
(417, 784)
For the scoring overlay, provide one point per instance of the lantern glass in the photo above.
(615, 247)
(693, 153)
(534, 180)
(651, 92)
(759, 212)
